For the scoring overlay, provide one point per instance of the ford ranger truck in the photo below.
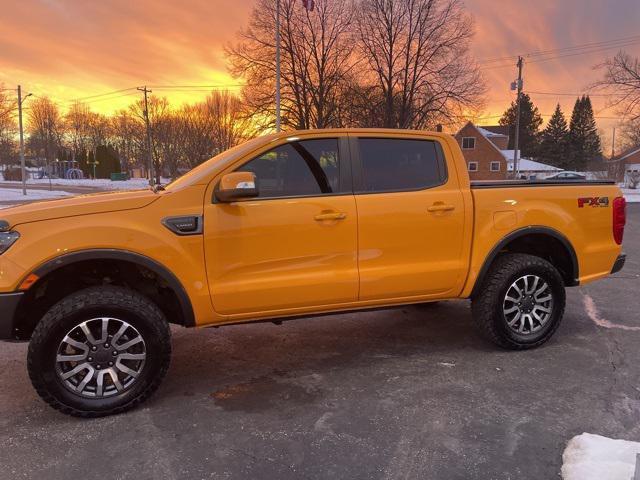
(289, 225)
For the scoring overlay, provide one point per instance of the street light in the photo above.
(22, 162)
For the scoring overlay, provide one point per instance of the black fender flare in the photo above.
(131, 257)
(521, 233)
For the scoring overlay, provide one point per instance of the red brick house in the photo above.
(482, 148)
(624, 164)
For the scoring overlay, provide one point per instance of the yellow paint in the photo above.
(292, 256)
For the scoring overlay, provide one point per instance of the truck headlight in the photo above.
(7, 239)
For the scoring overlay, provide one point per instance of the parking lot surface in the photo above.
(405, 393)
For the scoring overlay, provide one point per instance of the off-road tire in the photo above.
(487, 304)
(83, 305)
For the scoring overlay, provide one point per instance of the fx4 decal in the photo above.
(593, 202)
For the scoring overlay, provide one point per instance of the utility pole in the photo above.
(278, 121)
(146, 121)
(516, 137)
(613, 144)
(22, 161)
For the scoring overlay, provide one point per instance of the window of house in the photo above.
(303, 168)
(468, 143)
(495, 166)
(400, 164)
(473, 166)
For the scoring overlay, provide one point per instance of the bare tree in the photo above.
(230, 124)
(46, 127)
(630, 133)
(159, 109)
(196, 130)
(622, 78)
(417, 54)
(127, 137)
(8, 128)
(167, 140)
(316, 57)
(98, 130)
(77, 128)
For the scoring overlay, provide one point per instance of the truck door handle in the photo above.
(440, 207)
(330, 216)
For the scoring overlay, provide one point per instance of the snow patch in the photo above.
(15, 194)
(631, 196)
(100, 183)
(593, 457)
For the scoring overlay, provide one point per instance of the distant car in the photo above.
(567, 176)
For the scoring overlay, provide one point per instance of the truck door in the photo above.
(410, 219)
(295, 245)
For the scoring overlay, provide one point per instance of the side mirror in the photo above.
(236, 186)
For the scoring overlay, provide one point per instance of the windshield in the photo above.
(202, 171)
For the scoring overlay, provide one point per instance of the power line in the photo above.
(570, 94)
(548, 57)
(605, 43)
(198, 86)
(82, 99)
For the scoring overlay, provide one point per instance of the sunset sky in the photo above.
(76, 48)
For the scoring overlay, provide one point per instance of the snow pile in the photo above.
(592, 457)
(15, 194)
(632, 196)
(101, 183)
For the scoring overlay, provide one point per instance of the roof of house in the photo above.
(495, 130)
(627, 153)
(527, 165)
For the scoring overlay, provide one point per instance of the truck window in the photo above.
(302, 168)
(400, 164)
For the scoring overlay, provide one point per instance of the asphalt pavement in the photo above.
(408, 393)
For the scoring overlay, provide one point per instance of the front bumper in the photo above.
(619, 263)
(8, 306)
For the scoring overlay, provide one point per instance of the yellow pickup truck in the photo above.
(289, 225)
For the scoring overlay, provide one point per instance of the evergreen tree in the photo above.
(554, 141)
(530, 121)
(108, 162)
(584, 141)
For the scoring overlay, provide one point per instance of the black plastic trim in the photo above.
(521, 233)
(8, 306)
(619, 263)
(114, 254)
(537, 183)
(168, 222)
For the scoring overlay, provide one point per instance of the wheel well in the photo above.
(548, 245)
(69, 278)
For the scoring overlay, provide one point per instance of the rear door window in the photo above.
(390, 164)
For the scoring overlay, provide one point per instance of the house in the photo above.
(626, 164)
(482, 149)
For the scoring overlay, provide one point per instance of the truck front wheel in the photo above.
(520, 303)
(99, 351)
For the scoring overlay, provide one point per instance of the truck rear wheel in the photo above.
(520, 303)
(99, 351)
